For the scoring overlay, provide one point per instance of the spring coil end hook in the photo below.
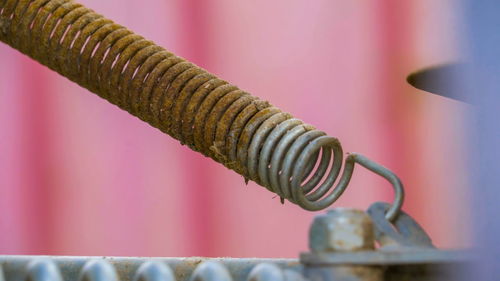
(244, 133)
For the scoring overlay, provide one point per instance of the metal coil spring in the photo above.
(246, 134)
(97, 269)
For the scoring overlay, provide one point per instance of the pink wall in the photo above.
(78, 176)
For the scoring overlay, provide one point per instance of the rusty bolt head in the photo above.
(341, 230)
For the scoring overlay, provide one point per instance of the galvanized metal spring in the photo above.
(37, 268)
(244, 133)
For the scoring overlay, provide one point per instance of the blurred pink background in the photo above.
(78, 176)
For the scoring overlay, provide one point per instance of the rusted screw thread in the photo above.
(208, 114)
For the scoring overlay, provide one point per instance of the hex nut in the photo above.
(342, 230)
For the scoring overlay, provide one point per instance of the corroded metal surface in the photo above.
(38, 268)
(248, 135)
(17, 268)
(341, 230)
(403, 231)
(394, 256)
(342, 246)
(244, 133)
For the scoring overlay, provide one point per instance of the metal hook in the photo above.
(380, 170)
